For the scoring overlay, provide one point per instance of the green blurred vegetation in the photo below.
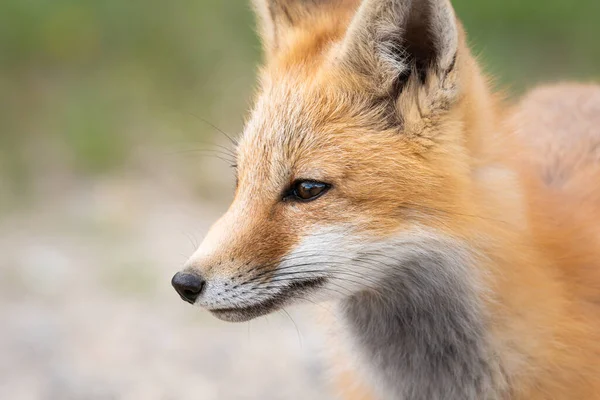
(525, 42)
(83, 83)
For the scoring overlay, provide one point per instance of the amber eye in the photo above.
(306, 190)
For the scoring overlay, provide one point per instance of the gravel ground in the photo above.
(87, 310)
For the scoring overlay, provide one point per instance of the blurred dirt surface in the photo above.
(87, 310)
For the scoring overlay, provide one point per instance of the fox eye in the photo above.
(307, 190)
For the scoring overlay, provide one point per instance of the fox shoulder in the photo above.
(558, 130)
(560, 126)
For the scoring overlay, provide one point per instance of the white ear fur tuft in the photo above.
(391, 39)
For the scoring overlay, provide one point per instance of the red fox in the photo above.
(458, 238)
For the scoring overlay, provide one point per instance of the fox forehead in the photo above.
(301, 126)
(282, 134)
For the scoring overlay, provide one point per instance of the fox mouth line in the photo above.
(242, 314)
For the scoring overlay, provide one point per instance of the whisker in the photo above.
(295, 326)
(208, 152)
(336, 274)
(234, 142)
(271, 288)
(359, 260)
(193, 242)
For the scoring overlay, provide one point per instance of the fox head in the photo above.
(356, 158)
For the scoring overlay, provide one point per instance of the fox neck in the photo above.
(425, 321)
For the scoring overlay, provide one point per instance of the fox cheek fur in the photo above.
(443, 225)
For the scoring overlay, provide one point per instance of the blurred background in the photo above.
(112, 169)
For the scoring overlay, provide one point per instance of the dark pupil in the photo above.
(307, 190)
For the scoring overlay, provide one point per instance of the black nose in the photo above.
(187, 285)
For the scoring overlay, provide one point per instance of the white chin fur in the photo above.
(354, 262)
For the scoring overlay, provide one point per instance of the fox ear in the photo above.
(391, 40)
(278, 18)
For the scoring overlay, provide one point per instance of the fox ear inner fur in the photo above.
(393, 40)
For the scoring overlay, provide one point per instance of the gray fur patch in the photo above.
(422, 335)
